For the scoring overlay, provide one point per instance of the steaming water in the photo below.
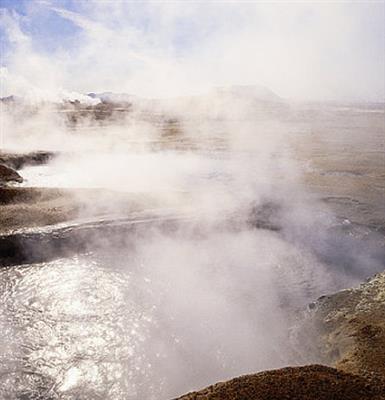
(154, 322)
(129, 171)
(169, 312)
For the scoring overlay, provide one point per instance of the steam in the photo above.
(162, 49)
(216, 296)
(213, 297)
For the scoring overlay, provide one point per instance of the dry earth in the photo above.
(313, 382)
(35, 207)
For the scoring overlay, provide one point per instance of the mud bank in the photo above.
(61, 240)
(42, 224)
(21, 160)
(27, 207)
(312, 382)
(34, 207)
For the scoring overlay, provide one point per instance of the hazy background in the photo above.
(300, 50)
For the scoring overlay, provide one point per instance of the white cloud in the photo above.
(300, 50)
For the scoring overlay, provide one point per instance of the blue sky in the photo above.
(301, 50)
(50, 31)
(46, 28)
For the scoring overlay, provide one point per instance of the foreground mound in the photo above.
(313, 382)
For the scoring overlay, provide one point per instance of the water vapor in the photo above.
(210, 245)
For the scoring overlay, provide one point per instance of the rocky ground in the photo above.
(28, 207)
(312, 382)
(351, 324)
(33, 207)
(24, 207)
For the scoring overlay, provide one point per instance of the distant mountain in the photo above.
(254, 92)
(217, 101)
(113, 97)
(10, 99)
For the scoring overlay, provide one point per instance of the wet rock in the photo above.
(8, 174)
(265, 216)
(20, 160)
(312, 382)
(46, 243)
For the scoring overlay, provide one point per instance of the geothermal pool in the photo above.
(155, 313)
(170, 315)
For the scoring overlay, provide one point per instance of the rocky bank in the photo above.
(351, 328)
(312, 382)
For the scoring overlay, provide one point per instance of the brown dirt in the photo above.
(31, 207)
(312, 382)
(23, 207)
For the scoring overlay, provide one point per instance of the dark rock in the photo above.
(8, 174)
(20, 160)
